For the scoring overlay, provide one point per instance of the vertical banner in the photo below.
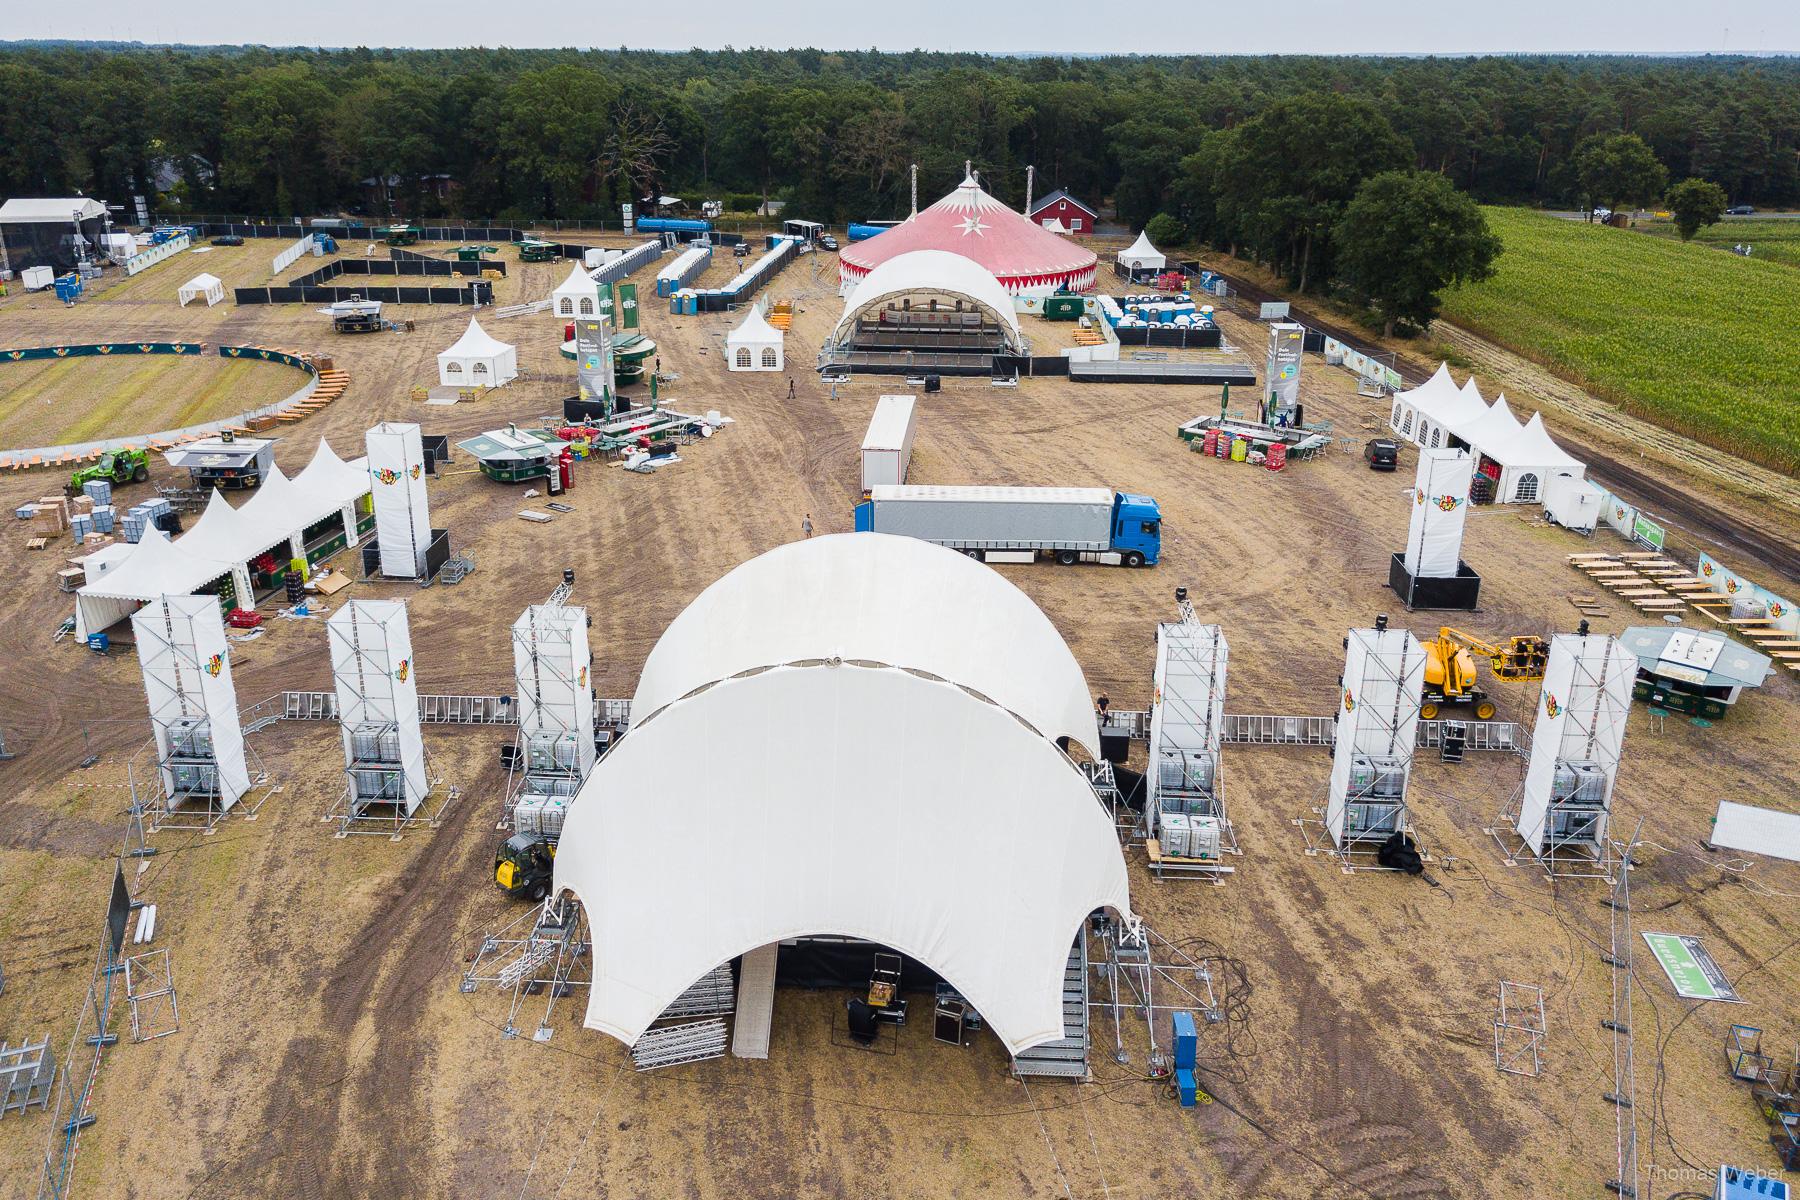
(593, 362)
(1440, 502)
(607, 307)
(402, 516)
(629, 221)
(1282, 371)
(627, 306)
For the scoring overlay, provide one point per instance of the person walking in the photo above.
(790, 387)
(806, 525)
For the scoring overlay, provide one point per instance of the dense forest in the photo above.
(565, 133)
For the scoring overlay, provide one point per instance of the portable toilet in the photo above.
(68, 288)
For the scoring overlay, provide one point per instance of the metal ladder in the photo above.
(1067, 1057)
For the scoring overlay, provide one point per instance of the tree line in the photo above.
(1265, 157)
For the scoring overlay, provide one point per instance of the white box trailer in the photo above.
(887, 447)
(1572, 502)
(1071, 524)
(36, 279)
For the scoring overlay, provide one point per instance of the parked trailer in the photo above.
(887, 447)
(1014, 524)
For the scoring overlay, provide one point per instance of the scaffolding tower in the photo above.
(202, 762)
(1559, 815)
(1372, 746)
(555, 747)
(387, 788)
(1185, 808)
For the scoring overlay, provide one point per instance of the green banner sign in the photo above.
(1691, 970)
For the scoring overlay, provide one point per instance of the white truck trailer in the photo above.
(1018, 524)
(887, 447)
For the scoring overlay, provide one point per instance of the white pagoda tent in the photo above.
(755, 345)
(576, 296)
(478, 360)
(1143, 256)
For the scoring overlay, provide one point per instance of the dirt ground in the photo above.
(56, 401)
(325, 1049)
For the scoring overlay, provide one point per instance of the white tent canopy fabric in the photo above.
(225, 539)
(925, 273)
(576, 296)
(1143, 255)
(157, 567)
(478, 359)
(202, 287)
(873, 597)
(1518, 458)
(824, 794)
(755, 345)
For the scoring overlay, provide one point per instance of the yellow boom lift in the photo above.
(1450, 669)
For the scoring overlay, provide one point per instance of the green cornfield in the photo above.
(1772, 240)
(1697, 341)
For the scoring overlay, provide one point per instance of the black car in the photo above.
(1382, 454)
(1740, 210)
(228, 239)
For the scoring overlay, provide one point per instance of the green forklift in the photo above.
(523, 865)
(116, 467)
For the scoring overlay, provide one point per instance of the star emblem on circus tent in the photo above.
(973, 225)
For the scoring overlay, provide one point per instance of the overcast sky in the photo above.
(1087, 26)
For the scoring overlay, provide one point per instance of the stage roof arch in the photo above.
(931, 273)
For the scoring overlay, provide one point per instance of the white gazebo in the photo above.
(202, 287)
(755, 345)
(576, 296)
(1143, 256)
(477, 360)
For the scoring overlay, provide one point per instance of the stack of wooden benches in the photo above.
(1650, 583)
(332, 383)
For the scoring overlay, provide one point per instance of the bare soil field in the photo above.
(325, 1048)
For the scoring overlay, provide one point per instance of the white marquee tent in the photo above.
(1520, 459)
(930, 273)
(825, 788)
(1143, 256)
(576, 296)
(477, 360)
(202, 287)
(225, 540)
(755, 345)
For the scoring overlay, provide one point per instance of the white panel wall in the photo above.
(1378, 708)
(1440, 503)
(402, 515)
(377, 684)
(187, 673)
(551, 661)
(1580, 718)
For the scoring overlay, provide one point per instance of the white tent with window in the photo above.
(1143, 256)
(755, 345)
(1528, 460)
(478, 360)
(577, 296)
(202, 287)
(821, 783)
(1419, 410)
(156, 567)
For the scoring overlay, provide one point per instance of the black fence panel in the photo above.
(416, 295)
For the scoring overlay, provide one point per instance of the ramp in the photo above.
(755, 1003)
(1068, 1056)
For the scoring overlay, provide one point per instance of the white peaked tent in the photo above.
(755, 345)
(157, 567)
(576, 296)
(824, 758)
(477, 360)
(1142, 255)
(202, 287)
(1416, 408)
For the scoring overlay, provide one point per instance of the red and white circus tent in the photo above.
(1027, 259)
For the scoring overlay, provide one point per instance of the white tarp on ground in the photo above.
(1142, 254)
(838, 800)
(202, 287)
(878, 598)
(1440, 502)
(1757, 830)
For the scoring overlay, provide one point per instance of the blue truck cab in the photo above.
(1137, 526)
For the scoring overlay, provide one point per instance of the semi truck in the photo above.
(1021, 524)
